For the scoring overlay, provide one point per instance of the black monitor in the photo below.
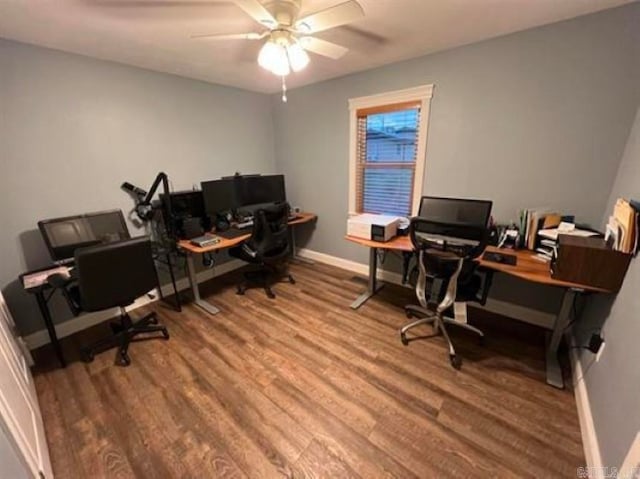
(220, 196)
(64, 235)
(456, 210)
(259, 189)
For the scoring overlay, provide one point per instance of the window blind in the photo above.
(387, 145)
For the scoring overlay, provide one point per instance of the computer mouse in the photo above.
(498, 258)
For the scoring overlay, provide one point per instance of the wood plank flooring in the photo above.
(302, 386)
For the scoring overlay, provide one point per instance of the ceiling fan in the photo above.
(288, 37)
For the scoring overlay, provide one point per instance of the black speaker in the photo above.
(222, 223)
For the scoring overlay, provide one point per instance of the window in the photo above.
(387, 151)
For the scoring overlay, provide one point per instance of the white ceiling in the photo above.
(156, 36)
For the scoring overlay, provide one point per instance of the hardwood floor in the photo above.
(302, 386)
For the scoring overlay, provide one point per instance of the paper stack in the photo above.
(622, 228)
(548, 238)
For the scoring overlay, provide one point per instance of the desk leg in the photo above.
(294, 249)
(44, 310)
(554, 371)
(193, 281)
(373, 287)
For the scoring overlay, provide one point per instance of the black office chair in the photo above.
(268, 248)
(448, 277)
(108, 276)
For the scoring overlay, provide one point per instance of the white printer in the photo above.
(373, 227)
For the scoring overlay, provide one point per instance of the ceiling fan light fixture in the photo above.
(298, 58)
(273, 57)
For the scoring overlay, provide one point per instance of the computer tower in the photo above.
(188, 217)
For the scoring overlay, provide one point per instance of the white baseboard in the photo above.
(528, 315)
(587, 427)
(84, 321)
(353, 266)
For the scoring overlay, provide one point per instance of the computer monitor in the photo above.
(64, 235)
(255, 190)
(220, 196)
(456, 210)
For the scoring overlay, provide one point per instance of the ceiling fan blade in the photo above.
(231, 36)
(346, 12)
(257, 11)
(323, 47)
(155, 3)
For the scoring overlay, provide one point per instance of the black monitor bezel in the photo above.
(212, 213)
(45, 236)
(240, 193)
(461, 200)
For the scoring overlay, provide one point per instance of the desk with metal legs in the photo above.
(527, 268)
(192, 250)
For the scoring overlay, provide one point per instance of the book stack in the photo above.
(623, 227)
(534, 220)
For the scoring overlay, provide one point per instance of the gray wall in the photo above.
(536, 118)
(613, 383)
(72, 129)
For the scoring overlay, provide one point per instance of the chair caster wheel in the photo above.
(153, 320)
(240, 291)
(404, 339)
(291, 280)
(408, 314)
(456, 361)
(123, 358)
(270, 294)
(87, 356)
(165, 334)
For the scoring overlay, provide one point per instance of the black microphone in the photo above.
(133, 189)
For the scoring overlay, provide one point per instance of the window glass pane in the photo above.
(387, 191)
(392, 136)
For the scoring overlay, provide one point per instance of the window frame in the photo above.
(421, 94)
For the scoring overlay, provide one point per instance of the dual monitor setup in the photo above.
(194, 212)
(191, 212)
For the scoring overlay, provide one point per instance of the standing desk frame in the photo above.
(527, 268)
(192, 250)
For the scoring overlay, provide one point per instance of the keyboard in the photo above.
(232, 233)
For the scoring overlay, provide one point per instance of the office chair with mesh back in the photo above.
(268, 248)
(109, 276)
(445, 254)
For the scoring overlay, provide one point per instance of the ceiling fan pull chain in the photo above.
(284, 90)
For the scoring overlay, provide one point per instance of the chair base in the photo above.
(124, 333)
(262, 278)
(439, 323)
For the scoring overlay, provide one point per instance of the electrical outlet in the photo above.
(600, 351)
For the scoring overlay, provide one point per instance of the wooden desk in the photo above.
(527, 268)
(191, 250)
